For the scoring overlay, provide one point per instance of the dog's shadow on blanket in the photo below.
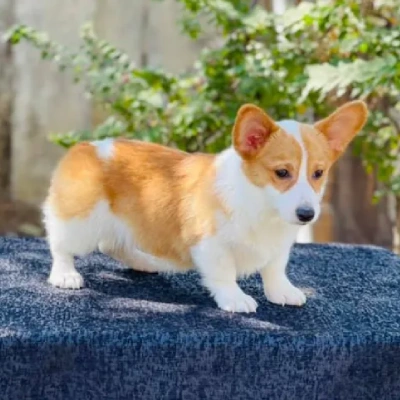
(180, 289)
(121, 288)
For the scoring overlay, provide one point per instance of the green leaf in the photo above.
(306, 61)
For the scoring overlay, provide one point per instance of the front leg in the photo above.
(216, 264)
(277, 287)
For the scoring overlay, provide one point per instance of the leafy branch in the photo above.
(313, 57)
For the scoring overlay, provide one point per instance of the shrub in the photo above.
(298, 65)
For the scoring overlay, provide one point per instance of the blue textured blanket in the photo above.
(129, 335)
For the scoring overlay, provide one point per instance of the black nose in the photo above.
(305, 214)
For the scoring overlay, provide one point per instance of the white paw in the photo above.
(235, 300)
(67, 280)
(284, 293)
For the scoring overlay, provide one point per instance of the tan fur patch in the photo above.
(319, 155)
(281, 151)
(166, 196)
(77, 183)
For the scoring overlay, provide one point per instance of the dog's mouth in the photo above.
(297, 223)
(301, 223)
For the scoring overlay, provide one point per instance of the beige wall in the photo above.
(46, 101)
(6, 90)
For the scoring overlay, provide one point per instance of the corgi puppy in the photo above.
(158, 209)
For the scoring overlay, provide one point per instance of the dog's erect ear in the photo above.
(343, 125)
(251, 130)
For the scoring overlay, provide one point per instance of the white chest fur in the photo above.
(255, 245)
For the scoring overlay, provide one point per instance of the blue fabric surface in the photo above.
(129, 335)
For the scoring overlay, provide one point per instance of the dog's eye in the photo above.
(318, 173)
(282, 173)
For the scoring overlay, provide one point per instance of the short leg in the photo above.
(64, 242)
(217, 267)
(277, 287)
(63, 273)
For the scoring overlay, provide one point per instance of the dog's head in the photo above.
(289, 160)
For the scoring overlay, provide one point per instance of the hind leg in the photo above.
(63, 272)
(67, 239)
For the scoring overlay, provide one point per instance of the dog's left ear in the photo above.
(343, 125)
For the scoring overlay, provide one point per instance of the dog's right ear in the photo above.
(251, 131)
